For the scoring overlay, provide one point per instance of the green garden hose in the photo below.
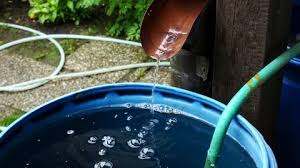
(240, 97)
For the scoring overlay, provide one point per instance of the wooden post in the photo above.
(249, 34)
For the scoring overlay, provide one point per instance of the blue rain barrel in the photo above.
(288, 125)
(113, 126)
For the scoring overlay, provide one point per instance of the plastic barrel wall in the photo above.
(288, 126)
(204, 108)
(288, 146)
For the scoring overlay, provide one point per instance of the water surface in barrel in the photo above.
(120, 137)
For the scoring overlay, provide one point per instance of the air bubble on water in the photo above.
(146, 153)
(102, 152)
(161, 108)
(129, 118)
(149, 126)
(167, 128)
(116, 116)
(108, 141)
(70, 132)
(156, 121)
(135, 143)
(128, 129)
(128, 105)
(147, 106)
(92, 140)
(142, 134)
(169, 110)
(171, 121)
(103, 164)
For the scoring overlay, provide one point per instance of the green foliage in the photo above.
(126, 14)
(10, 119)
(49, 11)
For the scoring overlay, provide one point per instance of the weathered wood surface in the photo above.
(248, 35)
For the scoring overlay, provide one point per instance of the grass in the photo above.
(10, 119)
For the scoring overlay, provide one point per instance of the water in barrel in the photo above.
(121, 137)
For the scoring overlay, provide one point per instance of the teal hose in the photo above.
(240, 97)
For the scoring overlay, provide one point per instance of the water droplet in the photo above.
(116, 116)
(135, 143)
(82, 118)
(70, 132)
(103, 164)
(146, 153)
(92, 140)
(126, 113)
(108, 141)
(102, 152)
(142, 134)
(38, 140)
(129, 118)
(128, 129)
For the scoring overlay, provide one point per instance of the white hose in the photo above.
(38, 82)
(57, 45)
(83, 74)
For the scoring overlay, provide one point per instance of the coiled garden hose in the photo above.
(39, 82)
(240, 97)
